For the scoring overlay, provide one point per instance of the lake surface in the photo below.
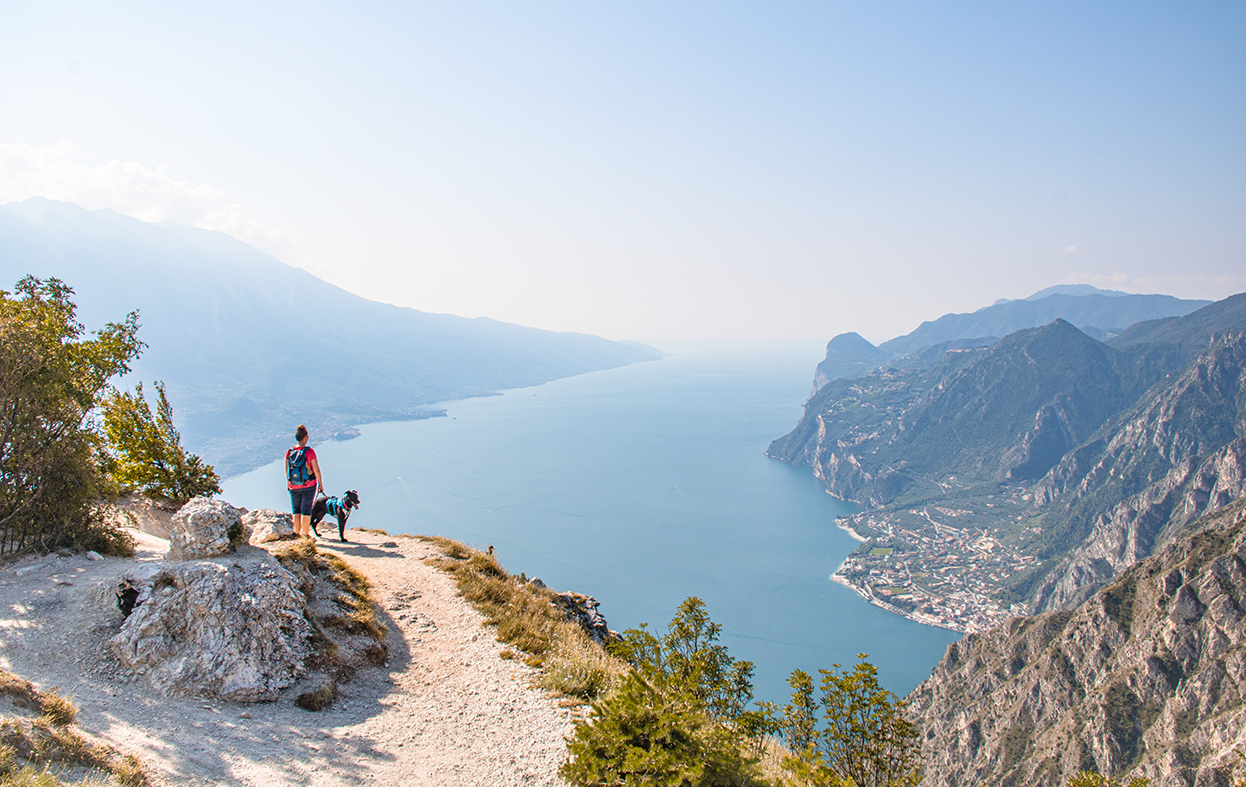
(640, 486)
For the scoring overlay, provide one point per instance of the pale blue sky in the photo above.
(649, 170)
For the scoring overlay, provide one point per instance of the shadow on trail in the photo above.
(55, 625)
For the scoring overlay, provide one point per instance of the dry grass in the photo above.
(28, 748)
(49, 704)
(355, 599)
(527, 618)
(56, 709)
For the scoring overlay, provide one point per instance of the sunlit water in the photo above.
(640, 486)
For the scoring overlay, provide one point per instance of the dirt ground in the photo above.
(445, 710)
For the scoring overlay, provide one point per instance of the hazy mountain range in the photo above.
(1101, 314)
(250, 346)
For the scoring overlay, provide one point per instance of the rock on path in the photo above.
(445, 710)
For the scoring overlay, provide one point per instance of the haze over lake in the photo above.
(640, 486)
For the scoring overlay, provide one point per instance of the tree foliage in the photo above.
(684, 717)
(680, 718)
(147, 451)
(862, 739)
(51, 378)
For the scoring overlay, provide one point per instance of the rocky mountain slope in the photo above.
(1074, 457)
(1176, 454)
(1009, 411)
(1146, 678)
(250, 346)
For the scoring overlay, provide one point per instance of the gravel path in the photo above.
(445, 710)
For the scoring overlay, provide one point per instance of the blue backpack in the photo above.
(296, 466)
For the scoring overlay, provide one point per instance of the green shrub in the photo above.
(862, 739)
(317, 700)
(679, 717)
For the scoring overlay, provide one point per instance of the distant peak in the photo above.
(849, 341)
(1075, 289)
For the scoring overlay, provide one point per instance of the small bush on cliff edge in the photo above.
(684, 717)
(862, 739)
(680, 717)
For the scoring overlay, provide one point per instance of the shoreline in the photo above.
(839, 523)
(920, 618)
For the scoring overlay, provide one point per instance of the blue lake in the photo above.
(640, 486)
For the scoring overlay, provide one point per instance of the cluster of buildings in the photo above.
(930, 567)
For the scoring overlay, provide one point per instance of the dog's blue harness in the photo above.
(334, 506)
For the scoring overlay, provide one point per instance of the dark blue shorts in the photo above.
(301, 500)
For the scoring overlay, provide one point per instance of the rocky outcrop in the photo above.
(1147, 678)
(582, 610)
(231, 629)
(1009, 412)
(201, 529)
(267, 525)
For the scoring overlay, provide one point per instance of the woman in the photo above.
(303, 479)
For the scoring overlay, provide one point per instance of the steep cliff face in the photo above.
(1146, 678)
(1007, 412)
(1177, 454)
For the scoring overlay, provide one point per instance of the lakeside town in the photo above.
(938, 565)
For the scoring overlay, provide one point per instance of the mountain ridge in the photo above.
(1037, 470)
(1102, 314)
(250, 346)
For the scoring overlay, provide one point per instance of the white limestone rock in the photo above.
(233, 630)
(200, 529)
(268, 525)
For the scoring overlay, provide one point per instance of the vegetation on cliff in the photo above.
(527, 617)
(684, 715)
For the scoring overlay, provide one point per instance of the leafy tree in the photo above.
(148, 449)
(51, 378)
(863, 740)
(679, 718)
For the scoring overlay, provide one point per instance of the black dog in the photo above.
(337, 507)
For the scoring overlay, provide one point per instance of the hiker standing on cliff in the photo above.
(303, 479)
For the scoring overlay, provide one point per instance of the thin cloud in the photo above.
(57, 171)
(1068, 250)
